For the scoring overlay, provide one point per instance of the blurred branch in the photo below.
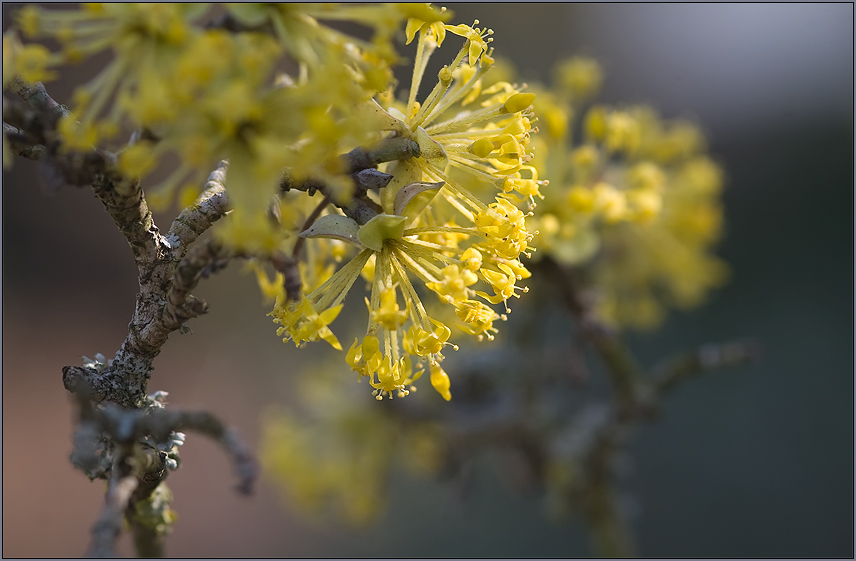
(611, 535)
(106, 529)
(38, 98)
(18, 143)
(589, 444)
(674, 370)
(138, 469)
(245, 465)
(622, 368)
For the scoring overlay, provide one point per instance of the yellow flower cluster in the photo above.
(632, 199)
(432, 229)
(208, 93)
(339, 453)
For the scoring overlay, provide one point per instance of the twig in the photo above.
(180, 304)
(611, 535)
(209, 207)
(360, 164)
(37, 97)
(290, 269)
(125, 203)
(19, 145)
(361, 209)
(674, 370)
(159, 423)
(106, 529)
(387, 150)
(127, 426)
(163, 302)
(624, 372)
(245, 465)
(139, 469)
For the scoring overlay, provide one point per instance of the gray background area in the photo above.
(756, 461)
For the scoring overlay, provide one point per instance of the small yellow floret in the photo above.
(31, 63)
(388, 315)
(77, 136)
(137, 160)
(518, 102)
(440, 381)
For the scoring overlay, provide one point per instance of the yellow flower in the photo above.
(388, 314)
(305, 324)
(580, 77)
(440, 381)
(30, 62)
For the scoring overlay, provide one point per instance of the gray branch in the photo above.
(209, 207)
(19, 145)
(674, 370)
(106, 529)
(245, 465)
(37, 97)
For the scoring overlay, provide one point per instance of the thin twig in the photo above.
(209, 207)
(19, 145)
(624, 372)
(106, 529)
(159, 423)
(671, 371)
(37, 97)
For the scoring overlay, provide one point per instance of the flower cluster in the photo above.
(433, 232)
(633, 200)
(451, 220)
(339, 453)
(207, 92)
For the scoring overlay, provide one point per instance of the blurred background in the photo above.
(755, 461)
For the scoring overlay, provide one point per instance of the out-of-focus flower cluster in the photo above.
(633, 200)
(338, 456)
(207, 92)
(632, 203)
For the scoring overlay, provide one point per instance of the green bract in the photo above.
(381, 227)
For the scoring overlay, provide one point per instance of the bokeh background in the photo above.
(754, 461)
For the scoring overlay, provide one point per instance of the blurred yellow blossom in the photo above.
(632, 199)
